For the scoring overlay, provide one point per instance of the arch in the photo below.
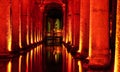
(52, 21)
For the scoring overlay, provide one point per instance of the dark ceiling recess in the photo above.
(54, 13)
(53, 10)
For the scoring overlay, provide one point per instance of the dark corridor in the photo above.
(53, 24)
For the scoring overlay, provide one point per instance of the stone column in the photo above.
(68, 25)
(34, 18)
(117, 41)
(15, 23)
(84, 26)
(99, 52)
(5, 26)
(64, 23)
(41, 22)
(31, 5)
(76, 23)
(24, 23)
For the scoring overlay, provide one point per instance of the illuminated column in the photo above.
(84, 26)
(76, 24)
(34, 18)
(30, 31)
(5, 26)
(117, 43)
(68, 25)
(72, 21)
(41, 21)
(65, 38)
(38, 24)
(24, 23)
(30, 22)
(15, 22)
(99, 33)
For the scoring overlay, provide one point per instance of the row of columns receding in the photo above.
(87, 26)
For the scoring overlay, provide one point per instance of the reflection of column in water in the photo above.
(31, 57)
(27, 62)
(80, 66)
(9, 66)
(69, 62)
(20, 57)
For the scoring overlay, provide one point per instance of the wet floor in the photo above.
(44, 59)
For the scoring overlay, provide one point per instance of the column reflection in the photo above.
(42, 59)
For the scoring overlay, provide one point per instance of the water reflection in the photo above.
(42, 59)
(9, 66)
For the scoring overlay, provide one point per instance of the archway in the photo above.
(52, 24)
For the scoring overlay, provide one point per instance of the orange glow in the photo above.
(31, 53)
(20, 63)
(9, 40)
(31, 36)
(80, 66)
(90, 39)
(58, 50)
(27, 36)
(9, 34)
(66, 40)
(27, 59)
(20, 43)
(35, 51)
(84, 26)
(117, 43)
(70, 33)
(80, 42)
(116, 66)
(69, 63)
(31, 57)
(35, 36)
(31, 31)
(38, 47)
(90, 44)
(9, 66)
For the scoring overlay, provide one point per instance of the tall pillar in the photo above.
(76, 23)
(5, 26)
(15, 22)
(37, 23)
(41, 22)
(64, 23)
(117, 41)
(34, 18)
(99, 52)
(84, 26)
(68, 25)
(30, 31)
(72, 21)
(31, 4)
(24, 6)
